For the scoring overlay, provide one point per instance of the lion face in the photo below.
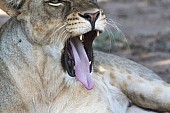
(44, 17)
(73, 23)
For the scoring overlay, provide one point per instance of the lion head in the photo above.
(72, 24)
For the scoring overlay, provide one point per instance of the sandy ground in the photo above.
(146, 25)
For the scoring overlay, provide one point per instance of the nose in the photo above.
(91, 17)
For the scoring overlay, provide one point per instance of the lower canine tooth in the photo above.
(81, 37)
(98, 33)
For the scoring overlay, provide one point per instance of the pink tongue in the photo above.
(82, 64)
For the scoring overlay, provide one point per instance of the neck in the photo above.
(37, 66)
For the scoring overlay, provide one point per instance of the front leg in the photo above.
(10, 99)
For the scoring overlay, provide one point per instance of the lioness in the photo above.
(47, 63)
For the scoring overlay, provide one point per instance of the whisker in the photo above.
(59, 28)
(65, 37)
(59, 35)
(53, 40)
(113, 24)
(113, 21)
(110, 33)
(54, 30)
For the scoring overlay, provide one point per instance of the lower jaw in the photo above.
(77, 58)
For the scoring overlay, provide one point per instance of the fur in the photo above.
(32, 79)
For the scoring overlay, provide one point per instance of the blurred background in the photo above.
(136, 29)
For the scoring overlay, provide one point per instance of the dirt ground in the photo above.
(146, 25)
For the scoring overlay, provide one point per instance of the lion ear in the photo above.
(11, 7)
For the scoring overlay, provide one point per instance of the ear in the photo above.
(11, 7)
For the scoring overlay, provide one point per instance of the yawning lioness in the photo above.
(47, 64)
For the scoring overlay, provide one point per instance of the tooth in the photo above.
(81, 37)
(98, 33)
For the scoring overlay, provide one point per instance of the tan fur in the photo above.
(8, 9)
(32, 79)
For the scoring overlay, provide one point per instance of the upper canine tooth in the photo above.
(98, 33)
(81, 37)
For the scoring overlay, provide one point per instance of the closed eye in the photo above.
(55, 3)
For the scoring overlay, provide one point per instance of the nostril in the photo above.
(87, 17)
(91, 17)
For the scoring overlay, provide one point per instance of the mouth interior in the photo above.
(78, 57)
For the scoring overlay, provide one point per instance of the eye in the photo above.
(55, 3)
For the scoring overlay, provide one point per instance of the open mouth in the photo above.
(77, 58)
